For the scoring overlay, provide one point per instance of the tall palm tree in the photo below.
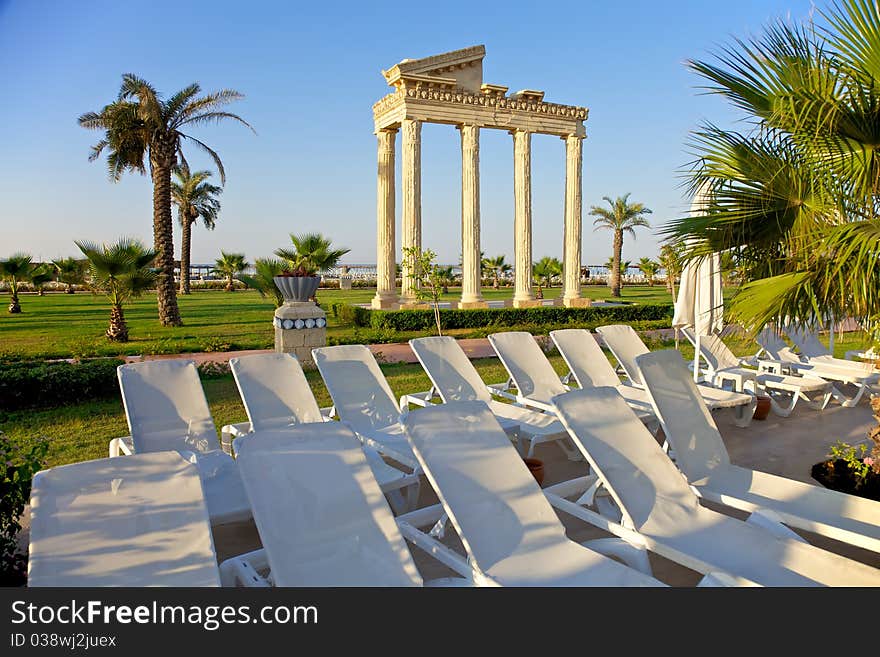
(623, 217)
(794, 199)
(194, 197)
(121, 271)
(311, 251)
(623, 267)
(263, 281)
(15, 269)
(140, 125)
(230, 265)
(498, 267)
(71, 272)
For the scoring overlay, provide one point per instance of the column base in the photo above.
(465, 305)
(413, 305)
(527, 303)
(384, 303)
(577, 302)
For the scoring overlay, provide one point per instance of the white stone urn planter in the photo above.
(297, 288)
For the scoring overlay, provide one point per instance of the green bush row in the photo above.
(419, 320)
(33, 384)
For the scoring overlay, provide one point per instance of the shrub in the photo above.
(33, 384)
(419, 320)
(17, 468)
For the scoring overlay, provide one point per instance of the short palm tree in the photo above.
(311, 251)
(445, 276)
(71, 272)
(230, 265)
(498, 267)
(15, 269)
(39, 276)
(263, 281)
(121, 271)
(649, 268)
(140, 125)
(671, 262)
(623, 217)
(194, 197)
(544, 271)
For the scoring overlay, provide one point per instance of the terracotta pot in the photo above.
(297, 288)
(762, 410)
(536, 467)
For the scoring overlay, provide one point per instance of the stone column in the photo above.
(471, 296)
(522, 220)
(411, 197)
(571, 292)
(386, 293)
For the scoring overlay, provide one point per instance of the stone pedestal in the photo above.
(527, 303)
(345, 281)
(465, 305)
(300, 326)
(577, 302)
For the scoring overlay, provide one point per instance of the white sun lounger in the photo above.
(322, 518)
(363, 399)
(811, 347)
(724, 366)
(134, 521)
(511, 534)
(703, 458)
(166, 409)
(846, 372)
(454, 378)
(590, 368)
(660, 510)
(276, 396)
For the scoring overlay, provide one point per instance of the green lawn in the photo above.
(63, 325)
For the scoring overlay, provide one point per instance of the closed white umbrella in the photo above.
(700, 304)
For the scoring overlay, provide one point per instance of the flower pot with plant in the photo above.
(297, 284)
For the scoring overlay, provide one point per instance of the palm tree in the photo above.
(311, 251)
(39, 276)
(794, 200)
(230, 265)
(71, 272)
(498, 267)
(649, 268)
(445, 276)
(264, 279)
(671, 262)
(15, 269)
(141, 125)
(121, 271)
(544, 271)
(623, 268)
(194, 197)
(623, 217)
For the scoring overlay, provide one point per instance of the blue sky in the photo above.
(311, 72)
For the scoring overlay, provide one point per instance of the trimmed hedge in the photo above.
(34, 384)
(419, 320)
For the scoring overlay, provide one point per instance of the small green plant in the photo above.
(430, 278)
(215, 343)
(856, 458)
(18, 464)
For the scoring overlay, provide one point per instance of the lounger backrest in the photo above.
(807, 341)
(626, 345)
(321, 515)
(716, 353)
(638, 474)
(452, 374)
(687, 423)
(134, 521)
(274, 391)
(776, 347)
(491, 498)
(165, 406)
(584, 358)
(360, 393)
(527, 365)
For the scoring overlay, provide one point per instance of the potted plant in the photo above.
(297, 284)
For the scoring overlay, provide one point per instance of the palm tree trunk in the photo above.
(14, 305)
(229, 286)
(163, 236)
(186, 235)
(118, 329)
(70, 289)
(618, 252)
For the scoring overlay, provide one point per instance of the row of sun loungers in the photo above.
(334, 502)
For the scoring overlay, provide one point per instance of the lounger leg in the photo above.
(845, 401)
(742, 415)
(819, 405)
(783, 411)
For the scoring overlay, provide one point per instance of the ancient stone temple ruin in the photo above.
(449, 89)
